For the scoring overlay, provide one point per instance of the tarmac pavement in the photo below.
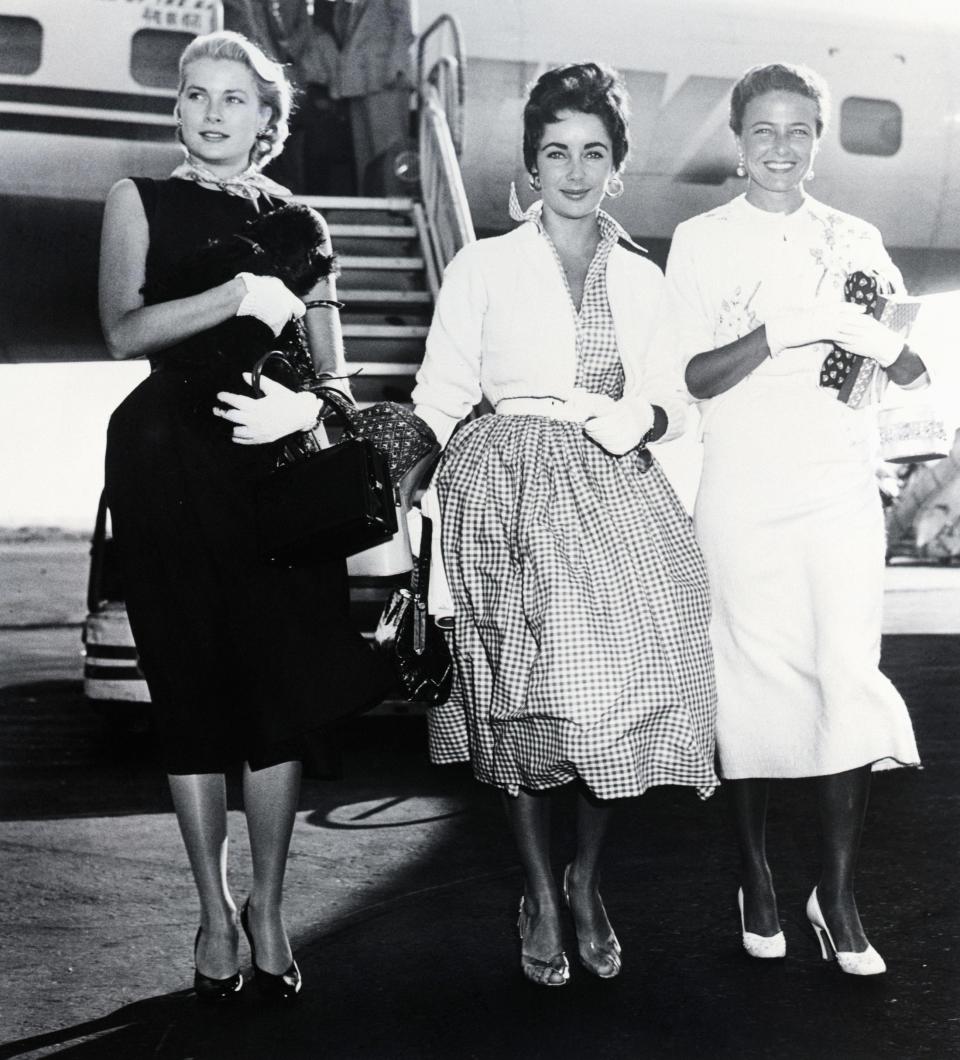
(401, 903)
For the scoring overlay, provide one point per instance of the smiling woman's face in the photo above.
(779, 142)
(221, 114)
(574, 160)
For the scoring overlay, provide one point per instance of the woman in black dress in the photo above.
(244, 660)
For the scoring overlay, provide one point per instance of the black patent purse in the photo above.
(321, 504)
(416, 645)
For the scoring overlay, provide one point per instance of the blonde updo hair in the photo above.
(274, 91)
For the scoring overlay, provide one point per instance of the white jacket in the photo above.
(503, 327)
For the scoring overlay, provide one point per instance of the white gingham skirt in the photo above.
(581, 616)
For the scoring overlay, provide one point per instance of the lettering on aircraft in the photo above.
(159, 14)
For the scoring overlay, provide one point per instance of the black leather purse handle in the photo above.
(257, 371)
(419, 586)
(337, 401)
(420, 578)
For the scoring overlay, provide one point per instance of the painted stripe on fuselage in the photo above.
(57, 125)
(87, 98)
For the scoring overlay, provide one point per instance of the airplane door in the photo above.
(886, 156)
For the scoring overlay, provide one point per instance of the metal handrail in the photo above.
(448, 223)
(453, 62)
(444, 218)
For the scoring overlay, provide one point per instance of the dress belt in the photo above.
(551, 407)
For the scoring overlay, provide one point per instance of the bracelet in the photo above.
(325, 303)
(652, 432)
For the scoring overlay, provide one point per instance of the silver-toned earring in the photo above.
(534, 182)
(614, 186)
(809, 175)
(741, 166)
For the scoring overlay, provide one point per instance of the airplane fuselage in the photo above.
(97, 106)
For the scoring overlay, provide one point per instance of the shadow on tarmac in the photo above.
(430, 970)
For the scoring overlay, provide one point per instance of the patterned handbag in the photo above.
(417, 647)
(402, 437)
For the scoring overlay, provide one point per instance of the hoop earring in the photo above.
(614, 186)
(741, 166)
(534, 182)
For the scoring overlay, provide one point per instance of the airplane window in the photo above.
(870, 126)
(21, 41)
(155, 55)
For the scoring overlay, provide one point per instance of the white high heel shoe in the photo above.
(761, 946)
(869, 962)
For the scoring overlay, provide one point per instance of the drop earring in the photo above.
(741, 166)
(614, 187)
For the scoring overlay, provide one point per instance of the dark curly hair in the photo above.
(778, 77)
(587, 88)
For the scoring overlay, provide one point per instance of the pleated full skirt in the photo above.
(581, 616)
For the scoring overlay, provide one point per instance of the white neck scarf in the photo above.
(517, 212)
(249, 184)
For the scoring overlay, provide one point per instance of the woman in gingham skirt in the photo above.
(580, 599)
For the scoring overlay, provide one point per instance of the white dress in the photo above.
(788, 514)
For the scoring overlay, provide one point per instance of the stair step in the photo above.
(348, 231)
(396, 316)
(381, 368)
(373, 264)
(359, 296)
(385, 331)
(349, 202)
(404, 352)
(382, 388)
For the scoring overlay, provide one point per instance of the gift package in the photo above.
(860, 381)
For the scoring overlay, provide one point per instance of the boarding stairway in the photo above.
(391, 253)
(379, 244)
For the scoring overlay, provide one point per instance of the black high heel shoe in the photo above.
(284, 987)
(210, 991)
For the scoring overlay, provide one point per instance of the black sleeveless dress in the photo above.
(244, 660)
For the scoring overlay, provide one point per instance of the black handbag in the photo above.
(325, 503)
(416, 645)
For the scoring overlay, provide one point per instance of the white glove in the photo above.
(623, 427)
(818, 322)
(279, 412)
(582, 405)
(270, 301)
(869, 338)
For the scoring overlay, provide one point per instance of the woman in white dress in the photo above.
(788, 514)
(581, 619)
